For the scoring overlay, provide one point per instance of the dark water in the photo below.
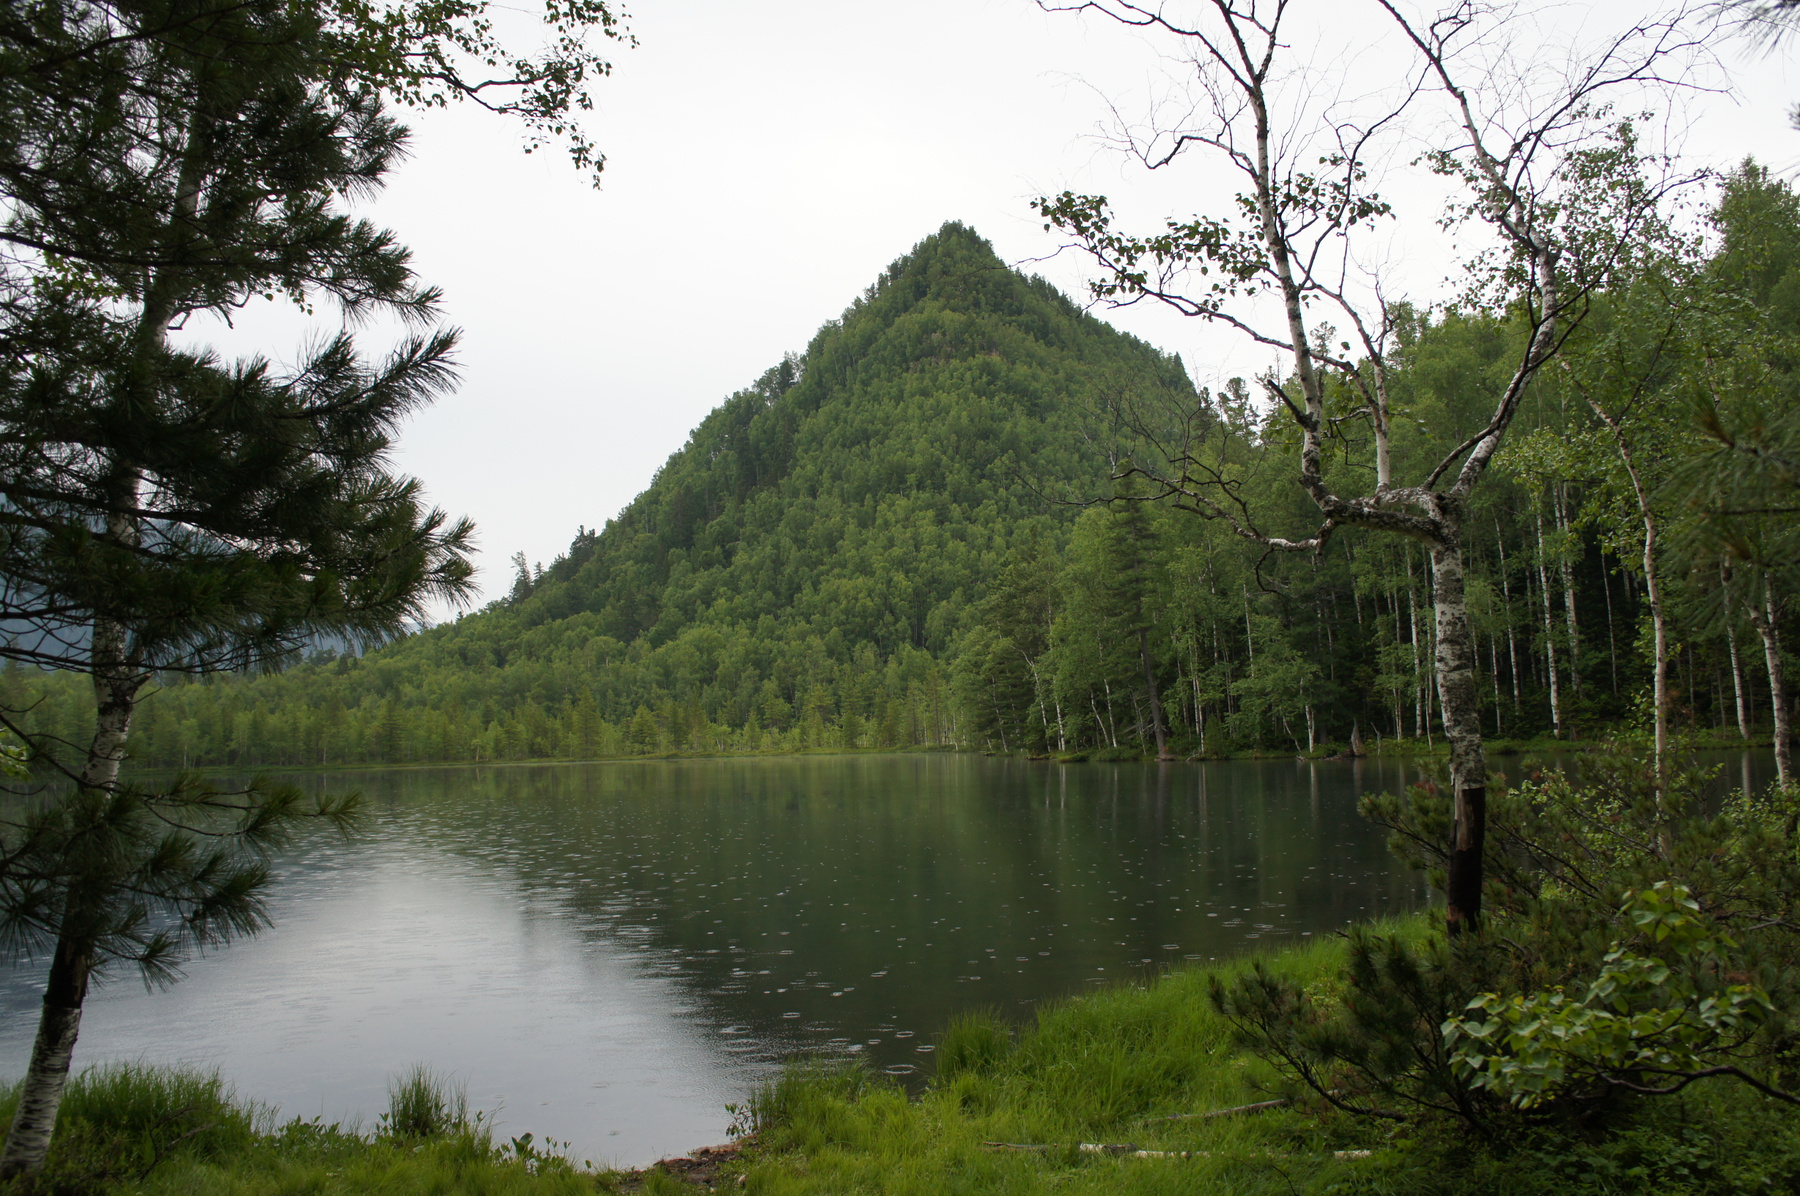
(607, 954)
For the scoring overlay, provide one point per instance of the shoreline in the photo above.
(1402, 750)
(1139, 1086)
(256, 1153)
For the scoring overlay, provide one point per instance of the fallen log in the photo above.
(1129, 1151)
(1258, 1107)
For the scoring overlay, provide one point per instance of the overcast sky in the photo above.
(765, 160)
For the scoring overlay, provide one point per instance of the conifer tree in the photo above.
(164, 510)
(1130, 549)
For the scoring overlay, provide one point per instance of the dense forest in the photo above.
(911, 535)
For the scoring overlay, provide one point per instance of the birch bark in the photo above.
(1556, 714)
(1768, 627)
(1737, 681)
(1462, 726)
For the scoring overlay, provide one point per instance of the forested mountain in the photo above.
(797, 574)
(868, 548)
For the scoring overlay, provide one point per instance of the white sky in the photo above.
(766, 159)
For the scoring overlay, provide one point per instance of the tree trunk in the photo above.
(1462, 726)
(40, 1095)
(1652, 591)
(1768, 628)
(1737, 681)
(1156, 714)
(1494, 664)
(1556, 719)
(1659, 629)
(117, 681)
(1512, 646)
(1420, 714)
(1399, 694)
(1568, 583)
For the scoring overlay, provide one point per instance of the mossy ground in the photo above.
(1112, 1067)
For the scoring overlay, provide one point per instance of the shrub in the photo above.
(1638, 934)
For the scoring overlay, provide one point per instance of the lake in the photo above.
(607, 954)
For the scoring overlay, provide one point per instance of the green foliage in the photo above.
(797, 577)
(860, 551)
(1135, 1064)
(15, 757)
(1642, 1024)
(1552, 1012)
(147, 875)
(217, 513)
(421, 53)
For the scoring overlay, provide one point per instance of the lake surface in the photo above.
(609, 953)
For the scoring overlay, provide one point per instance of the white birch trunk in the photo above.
(1737, 682)
(1462, 726)
(1659, 626)
(1768, 628)
(47, 1076)
(1568, 583)
(1512, 645)
(1556, 719)
(1494, 665)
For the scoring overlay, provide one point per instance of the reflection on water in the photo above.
(609, 953)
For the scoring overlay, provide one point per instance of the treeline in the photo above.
(1152, 614)
(1161, 630)
(905, 701)
(881, 544)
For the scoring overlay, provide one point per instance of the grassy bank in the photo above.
(1008, 1111)
(1107, 1068)
(135, 1129)
(1133, 1065)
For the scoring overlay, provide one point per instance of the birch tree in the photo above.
(1541, 180)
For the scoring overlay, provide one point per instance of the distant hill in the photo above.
(798, 574)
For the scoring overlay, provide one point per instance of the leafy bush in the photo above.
(1644, 1025)
(1639, 934)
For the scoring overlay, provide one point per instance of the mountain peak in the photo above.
(816, 551)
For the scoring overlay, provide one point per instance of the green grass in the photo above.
(1101, 1068)
(1108, 1067)
(137, 1129)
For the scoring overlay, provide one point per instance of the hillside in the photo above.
(796, 574)
(862, 549)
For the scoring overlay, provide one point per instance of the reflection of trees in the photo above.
(847, 855)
